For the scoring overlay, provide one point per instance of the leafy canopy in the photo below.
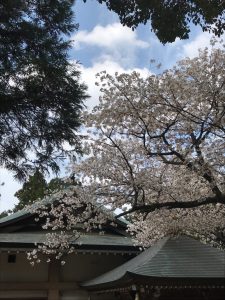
(170, 19)
(40, 94)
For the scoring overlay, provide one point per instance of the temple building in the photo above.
(107, 266)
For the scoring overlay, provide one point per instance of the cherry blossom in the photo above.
(155, 150)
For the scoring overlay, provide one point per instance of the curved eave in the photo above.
(180, 258)
(130, 280)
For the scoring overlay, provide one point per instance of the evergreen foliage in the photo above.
(40, 94)
(32, 190)
(170, 19)
(35, 189)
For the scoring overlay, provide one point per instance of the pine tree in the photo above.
(32, 190)
(40, 94)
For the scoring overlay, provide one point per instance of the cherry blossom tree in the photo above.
(155, 149)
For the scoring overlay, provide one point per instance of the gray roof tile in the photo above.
(181, 257)
(85, 239)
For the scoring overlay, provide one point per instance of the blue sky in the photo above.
(102, 43)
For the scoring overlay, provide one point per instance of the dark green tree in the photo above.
(171, 18)
(40, 94)
(34, 188)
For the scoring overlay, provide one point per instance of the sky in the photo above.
(102, 43)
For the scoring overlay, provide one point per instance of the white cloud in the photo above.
(201, 41)
(115, 40)
(111, 66)
(110, 36)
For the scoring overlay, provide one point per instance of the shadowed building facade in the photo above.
(107, 266)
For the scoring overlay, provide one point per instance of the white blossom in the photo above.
(155, 149)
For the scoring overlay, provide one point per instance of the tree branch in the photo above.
(173, 205)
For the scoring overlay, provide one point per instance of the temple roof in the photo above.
(21, 231)
(85, 241)
(14, 217)
(181, 257)
(49, 200)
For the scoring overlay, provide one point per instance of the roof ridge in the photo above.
(47, 200)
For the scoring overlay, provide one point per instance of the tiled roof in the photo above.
(18, 215)
(181, 257)
(23, 214)
(31, 238)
